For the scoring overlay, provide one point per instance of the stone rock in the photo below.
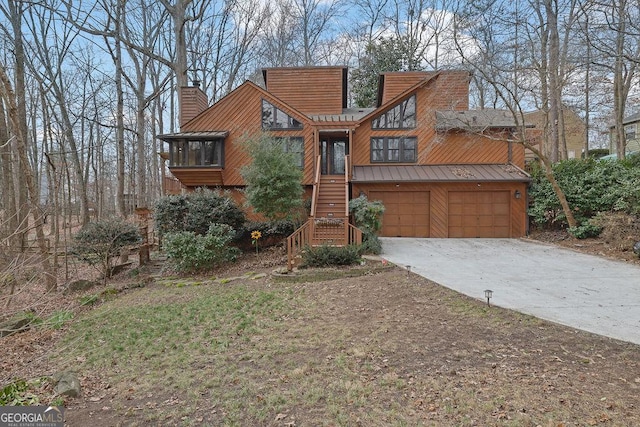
(80, 285)
(636, 248)
(67, 384)
(19, 323)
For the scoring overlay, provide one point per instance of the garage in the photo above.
(479, 214)
(406, 213)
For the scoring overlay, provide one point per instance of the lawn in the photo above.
(383, 349)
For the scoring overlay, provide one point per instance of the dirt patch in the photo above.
(619, 233)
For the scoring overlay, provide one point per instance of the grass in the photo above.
(379, 350)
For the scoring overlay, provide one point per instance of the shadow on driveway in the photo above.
(578, 290)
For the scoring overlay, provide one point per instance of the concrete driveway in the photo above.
(578, 290)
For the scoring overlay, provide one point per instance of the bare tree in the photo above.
(497, 74)
(9, 98)
(49, 72)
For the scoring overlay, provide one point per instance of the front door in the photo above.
(333, 152)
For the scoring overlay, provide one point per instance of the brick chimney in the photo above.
(193, 101)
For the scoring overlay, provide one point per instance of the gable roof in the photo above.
(247, 85)
(400, 96)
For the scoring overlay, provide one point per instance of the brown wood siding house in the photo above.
(441, 169)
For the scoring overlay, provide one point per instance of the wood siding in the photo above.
(240, 114)
(193, 101)
(439, 201)
(198, 177)
(318, 90)
(439, 147)
(396, 83)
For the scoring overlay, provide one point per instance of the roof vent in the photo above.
(196, 83)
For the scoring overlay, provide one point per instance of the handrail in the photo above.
(316, 189)
(297, 242)
(346, 186)
(354, 235)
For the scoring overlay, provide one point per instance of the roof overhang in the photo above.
(217, 134)
(440, 173)
(476, 120)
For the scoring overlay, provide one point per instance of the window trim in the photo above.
(387, 114)
(401, 149)
(292, 122)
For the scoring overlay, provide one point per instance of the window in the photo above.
(295, 145)
(393, 149)
(275, 118)
(196, 153)
(630, 132)
(402, 116)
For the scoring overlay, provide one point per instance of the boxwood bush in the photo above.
(329, 256)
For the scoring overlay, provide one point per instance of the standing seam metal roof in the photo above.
(439, 173)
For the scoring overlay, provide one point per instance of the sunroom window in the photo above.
(401, 116)
(275, 118)
(196, 153)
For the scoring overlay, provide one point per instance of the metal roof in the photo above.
(194, 135)
(439, 173)
(348, 115)
(474, 120)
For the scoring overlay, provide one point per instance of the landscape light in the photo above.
(487, 294)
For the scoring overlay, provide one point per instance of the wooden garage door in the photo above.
(479, 214)
(406, 213)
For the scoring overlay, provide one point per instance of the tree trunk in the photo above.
(554, 83)
(8, 189)
(9, 97)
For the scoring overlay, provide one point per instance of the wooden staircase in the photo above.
(331, 202)
(328, 222)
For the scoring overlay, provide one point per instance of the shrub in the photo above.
(585, 231)
(370, 244)
(98, 243)
(590, 186)
(367, 214)
(191, 252)
(274, 179)
(328, 256)
(195, 212)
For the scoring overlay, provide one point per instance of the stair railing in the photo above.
(316, 189)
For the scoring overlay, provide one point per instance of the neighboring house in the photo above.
(632, 135)
(440, 169)
(575, 133)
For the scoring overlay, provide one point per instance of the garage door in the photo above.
(406, 213)
(479, 214)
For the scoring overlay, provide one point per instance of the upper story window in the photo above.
(402, 116)
(196, 153)
(295, 145)
(393, 149)
(275, 118)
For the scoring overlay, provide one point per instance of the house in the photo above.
(575, 133)
(440, 169)
(632, 135)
